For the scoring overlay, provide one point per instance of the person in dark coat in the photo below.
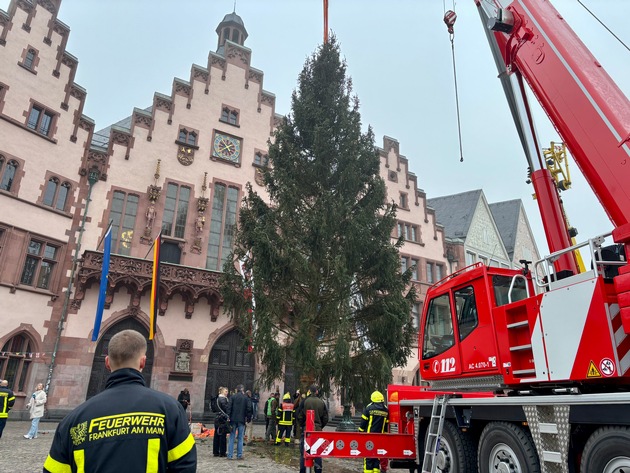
(128, 426)
(7, 398)
(184, 398)
(240, 411)
(312, 403)
(221, 424)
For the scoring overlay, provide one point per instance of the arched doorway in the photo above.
(99, 374)
(230, 364)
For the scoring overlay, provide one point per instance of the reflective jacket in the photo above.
(127, 427)
(7, 398)
(284, 413)
(375, 418)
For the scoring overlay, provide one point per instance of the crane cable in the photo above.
(449, 18)
(602, 23)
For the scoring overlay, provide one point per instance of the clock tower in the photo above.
(231, 28)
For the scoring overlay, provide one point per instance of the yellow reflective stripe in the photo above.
(53, 466)
(79, 460)
(153, 455)
(182, 449)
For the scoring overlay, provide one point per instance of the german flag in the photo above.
(155, 286)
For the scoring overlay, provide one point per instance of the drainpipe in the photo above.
(93, 176)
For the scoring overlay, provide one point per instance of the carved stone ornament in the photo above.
(184, 344)
(154, 193)
(182, 362)
(185, 155)
(202, 204)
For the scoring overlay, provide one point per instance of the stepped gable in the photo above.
(455, 212)
(506, 215)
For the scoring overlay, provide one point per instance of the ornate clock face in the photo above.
(227, 147)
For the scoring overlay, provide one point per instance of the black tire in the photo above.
(607, 451)
(456, 452)
(509, 446)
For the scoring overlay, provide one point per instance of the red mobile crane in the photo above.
(528, 370)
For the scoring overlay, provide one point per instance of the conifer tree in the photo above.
(328, 292)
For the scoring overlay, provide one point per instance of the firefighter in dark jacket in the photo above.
(374, 419)
(127, 427)
(7, 399)
(284, 416)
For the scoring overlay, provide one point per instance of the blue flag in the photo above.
(104, 282)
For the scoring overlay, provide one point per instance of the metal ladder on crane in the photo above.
(436, 424)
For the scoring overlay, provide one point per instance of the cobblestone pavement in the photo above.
(19, 455)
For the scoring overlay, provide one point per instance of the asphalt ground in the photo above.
(19, 455)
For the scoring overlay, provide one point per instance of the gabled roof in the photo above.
(100, 138)
(455, 212)
(506, 216)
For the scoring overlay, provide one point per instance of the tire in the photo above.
(456, 452)
(607, 451)
(507, 447)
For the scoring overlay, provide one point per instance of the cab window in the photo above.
(467, 318)
(438, 331)
(501, 286)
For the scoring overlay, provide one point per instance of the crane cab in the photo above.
(459, 336)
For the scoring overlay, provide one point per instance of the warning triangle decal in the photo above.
(593, 372)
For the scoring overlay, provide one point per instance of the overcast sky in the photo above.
(398, 55)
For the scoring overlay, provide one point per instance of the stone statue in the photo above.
(150, 216)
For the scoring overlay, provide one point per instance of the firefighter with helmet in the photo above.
(374, 419)
(284, 416)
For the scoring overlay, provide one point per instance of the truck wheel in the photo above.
(456, 452)
(507, 448)
(606, 451)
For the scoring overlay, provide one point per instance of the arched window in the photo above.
(56, 195)
(29, 60)
(235, 35)
(229, 115)
(8, 174)
(226, 34)
(15, 360)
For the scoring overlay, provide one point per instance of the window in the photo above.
(415, 315)
(438, 332)
(175, 210)
(414, 233)
(430, 274)
(8, 169)
(403, 200)
(466, 309)
(404, 263)
(261, 159)
(501, 286)
(470, 258)
(229, 115)
(15, 361)
(41, 258)
(56, 194)
(483, 260)
(40, 120)
(222, 226)
(29, 60)
(187, 137)
(414, 269)
(123, 217)
(438, 272)
(400, 229)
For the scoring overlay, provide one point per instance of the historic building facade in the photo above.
(180, 167)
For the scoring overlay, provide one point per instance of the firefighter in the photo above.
(284, 415)
(127, 427)
(374, 419)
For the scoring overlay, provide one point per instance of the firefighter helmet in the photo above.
(377, 397)
(286, 397)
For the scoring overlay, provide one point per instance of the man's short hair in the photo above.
(4, 383)
(314, 389)
(240, 388)
(126, 346)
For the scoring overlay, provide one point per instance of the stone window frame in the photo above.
(230, 115)
(17, 177)
(43, 111)
(3, 90)
(61, 181)
(224, 231)
(177, 230)
(261, 159)
(122, 239)
(406, 229)
(22, 354)
(188, 131)
(403, 201)
(41, 257)
(28, 61)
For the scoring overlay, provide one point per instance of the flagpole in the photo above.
(111, 222)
